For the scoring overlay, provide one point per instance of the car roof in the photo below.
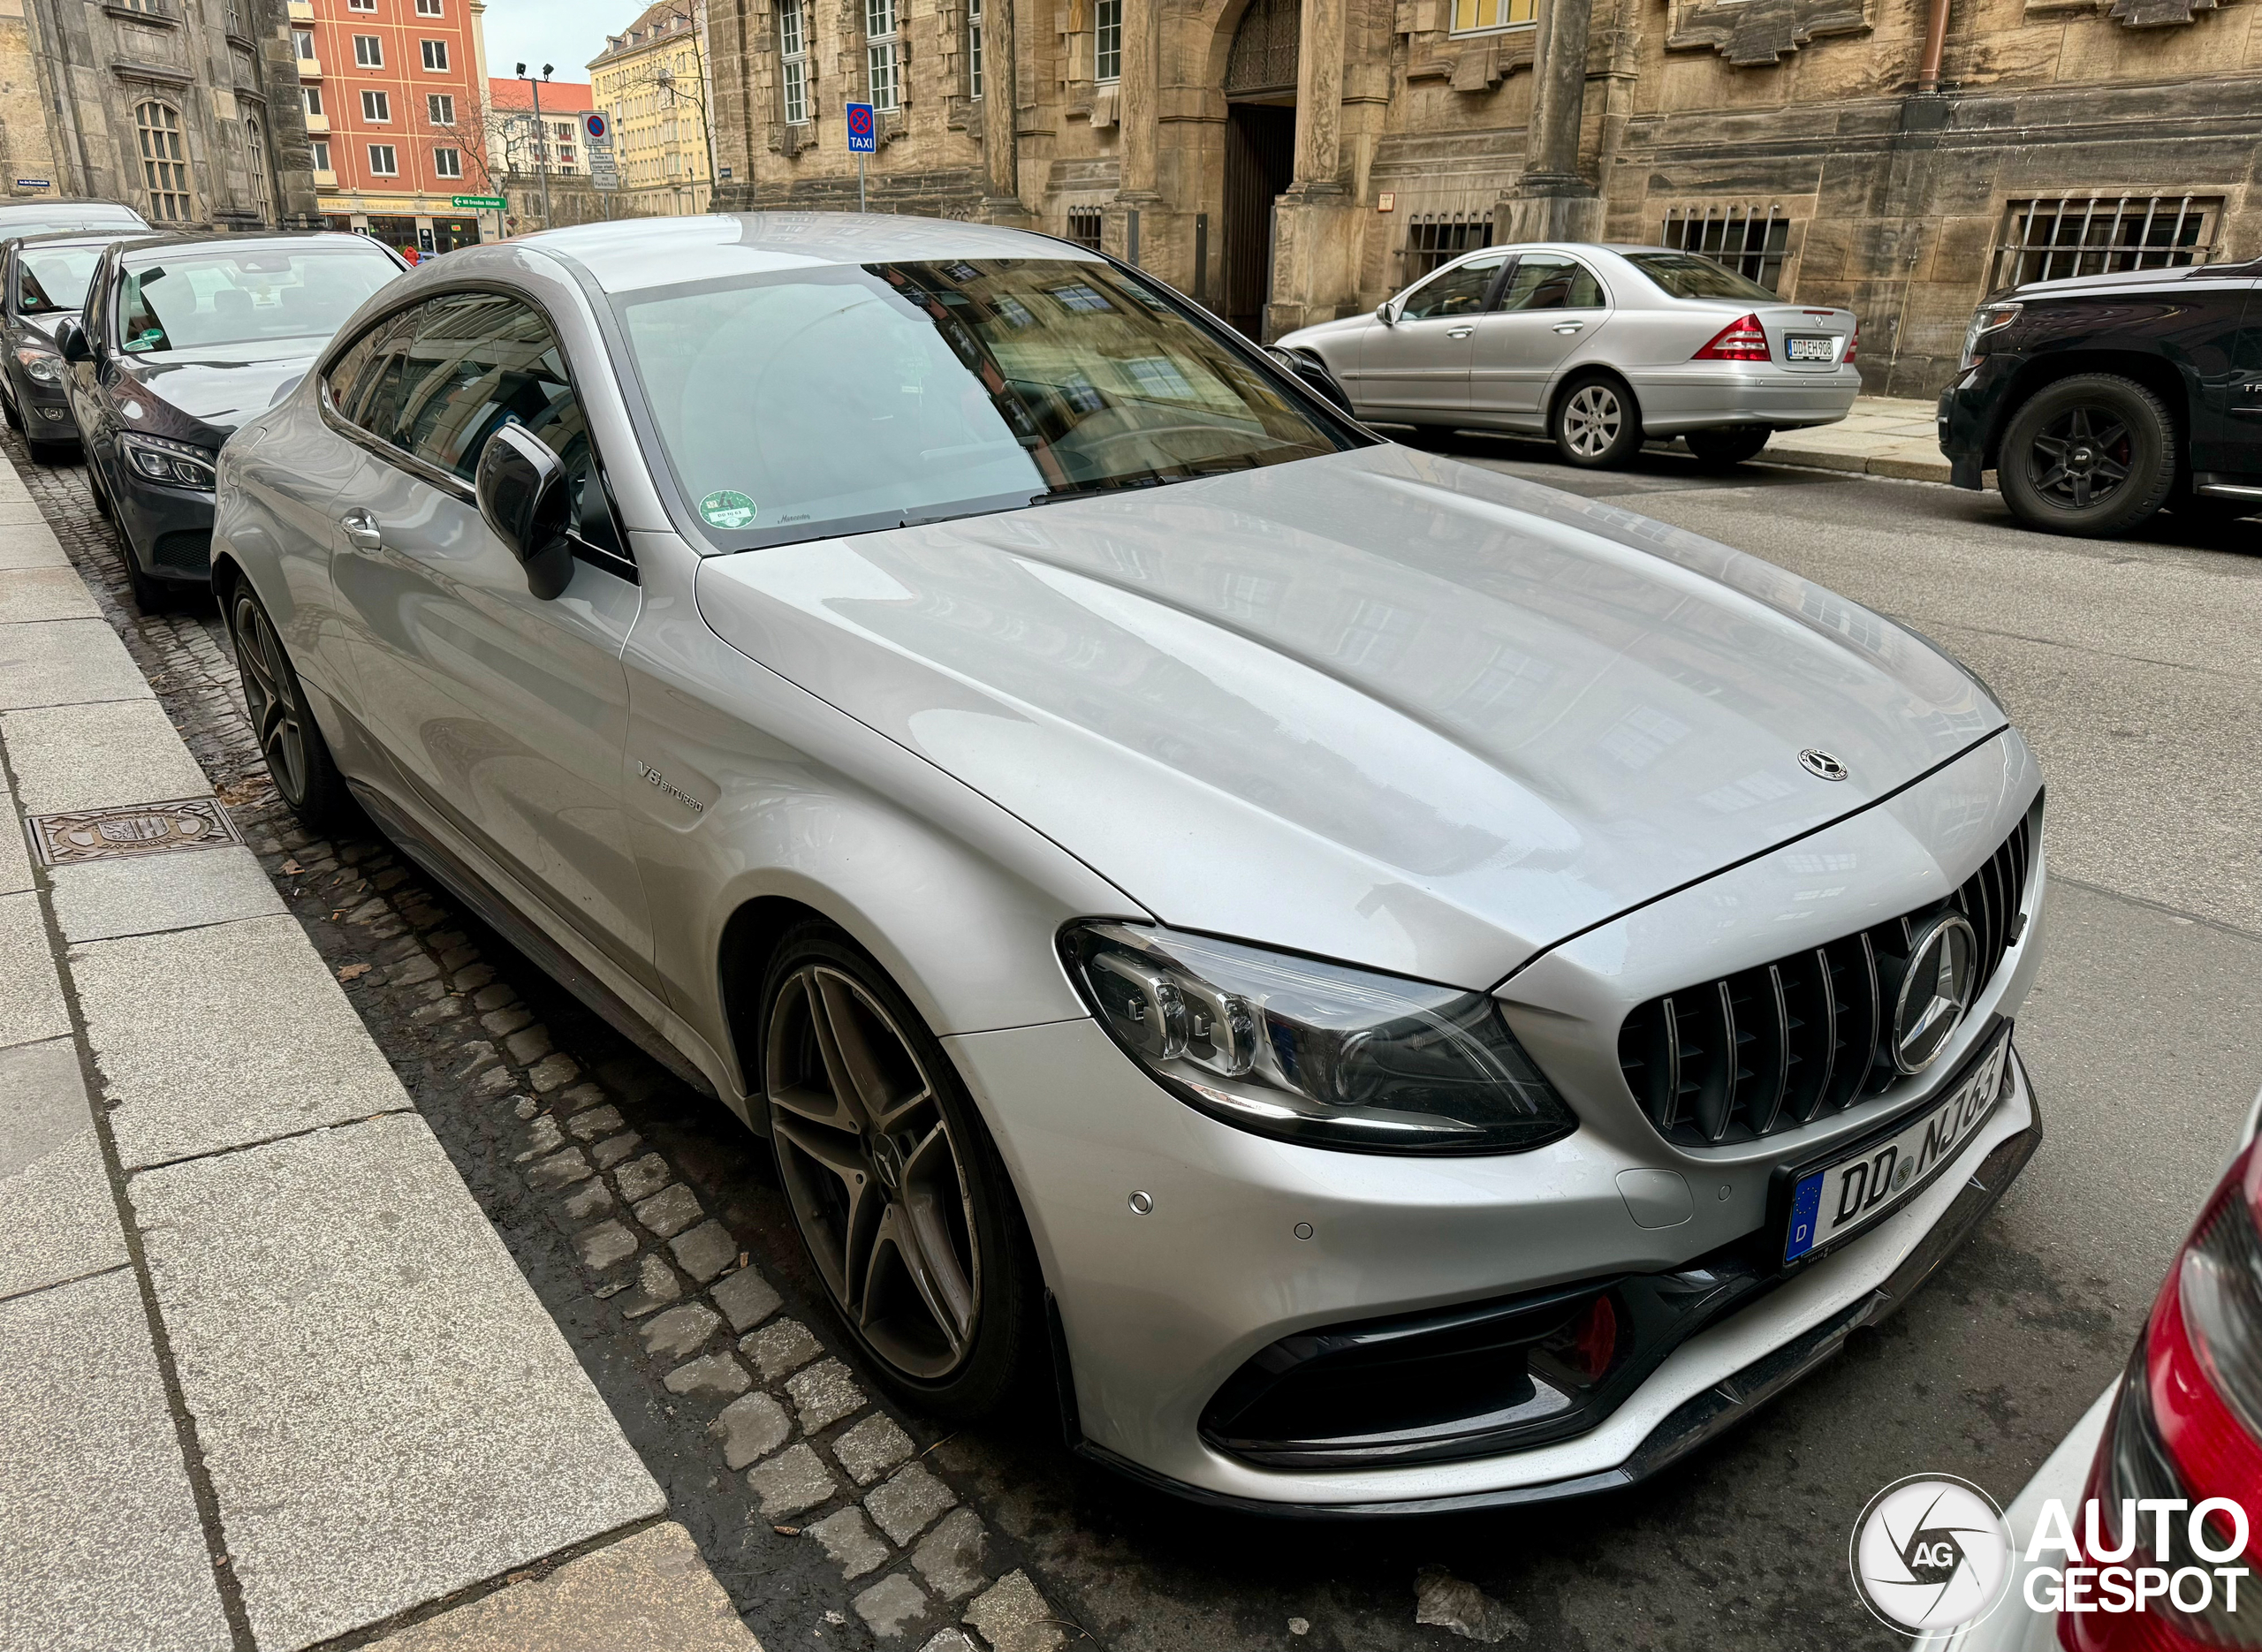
(104, 237)
(641, 252)
(143, 244)
(17, 211)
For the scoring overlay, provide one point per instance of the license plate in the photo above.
(1839, 1199)
(1797, 347)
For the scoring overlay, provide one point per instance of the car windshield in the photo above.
(51, 278)
(843, 398)
(1687, 275)
(188, 299)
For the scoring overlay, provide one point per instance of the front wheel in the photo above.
(297, 757)
(1597, 427)
(2092, 455)
(1718, 449)
(898, 1194)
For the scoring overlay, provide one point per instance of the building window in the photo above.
(369, 52)
(793, 64)
(165, 164)
(382, 162)
(440, 107)
(428, 8)
(1083, 226)
(376, 106)
(1471, 15)
(303, 39)
(880, 54)
(1436, 239)
(263, 191)
(361, 5)
(436, 56)
(974, 48)
(448, 162)
(2088, 235)
(235, 18)
(311, 96)
(1754, 244)
(1107, 40)
(321, 147)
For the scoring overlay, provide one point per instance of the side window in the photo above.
(1549, 280)
(480, 360)
(365, 382)
(1456, 291)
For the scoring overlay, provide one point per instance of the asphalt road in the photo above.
(2136, 669)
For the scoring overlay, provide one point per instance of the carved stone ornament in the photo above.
(2158, 13)
(1749, 32)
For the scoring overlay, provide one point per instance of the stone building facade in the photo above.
(1288, 161)
(188, 110)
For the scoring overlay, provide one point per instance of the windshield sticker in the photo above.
(725, 508)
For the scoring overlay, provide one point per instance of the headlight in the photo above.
(175, 463)
(1315, 1052)
(42, 366)
(1988, 318)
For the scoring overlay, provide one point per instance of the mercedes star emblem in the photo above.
(1935, 990)
(1821, 765)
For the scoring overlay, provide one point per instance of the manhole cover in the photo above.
(130, 832)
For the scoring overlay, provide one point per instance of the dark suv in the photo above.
(2100, 399)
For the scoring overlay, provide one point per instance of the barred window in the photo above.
(263, 189)
(793, 63)
(1754, 244)
(1436, 239)
(1470, 16)
(880, 59)
(1107, 40)
(165, 164)
(974, 48)
(1083, 226)
(2090, 235)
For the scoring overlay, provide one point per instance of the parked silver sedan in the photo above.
(1598, 347)
(1393, 987)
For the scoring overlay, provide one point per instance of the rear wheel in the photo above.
(1597, 427)
(1718, 449)
(297, 757)
(2092, 455)
(898, 1194)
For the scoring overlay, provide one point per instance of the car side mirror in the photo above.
(71, 341)
(1386, 312)
(522, 494)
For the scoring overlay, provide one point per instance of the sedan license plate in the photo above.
(1829, 1203)
(1810, 347)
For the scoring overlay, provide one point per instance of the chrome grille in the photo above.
(1770, 1048)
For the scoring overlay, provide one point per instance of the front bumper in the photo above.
(1970, 410)
(169, 528)
(1706, 395)
(45, 409)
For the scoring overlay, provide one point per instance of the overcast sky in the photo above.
(566, 33)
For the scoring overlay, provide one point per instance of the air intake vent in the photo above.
(1770, 1048)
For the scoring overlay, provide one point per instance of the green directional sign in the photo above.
(478, 203)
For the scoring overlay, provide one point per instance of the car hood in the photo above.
(222, 385)
(1379, 706)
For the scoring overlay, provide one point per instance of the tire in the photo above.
(298, 758)
(885, 1191)
(95, 486)
(2092, 455)
(1730, 446)
(1597, 425)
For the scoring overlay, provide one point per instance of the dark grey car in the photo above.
(44, 218)
(44, 279)
(181, 339)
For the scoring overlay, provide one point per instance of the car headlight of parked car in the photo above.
(177, 463)
(1987, 320)
(42, 366)
(1315, 1052)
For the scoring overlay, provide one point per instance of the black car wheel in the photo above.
(899, 1196)
(1597, 426)
(1718, 449)
(2090, 455)
(298, 758)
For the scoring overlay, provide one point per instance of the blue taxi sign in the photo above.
(861, 135)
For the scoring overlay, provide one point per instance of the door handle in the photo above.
(361, 531)
(1459, 332)
(1570, 327)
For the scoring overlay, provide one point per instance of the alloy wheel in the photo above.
(271, 698)
(1592, 419)
(2081, 458)
(872, 1173)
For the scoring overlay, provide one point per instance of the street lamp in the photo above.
(540, 141)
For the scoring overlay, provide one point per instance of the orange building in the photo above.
(395, 95)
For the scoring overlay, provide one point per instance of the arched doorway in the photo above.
(1260, 153)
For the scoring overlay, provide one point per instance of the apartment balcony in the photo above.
(310, 68)
(325, 178)
(302, 10)
(318, 125)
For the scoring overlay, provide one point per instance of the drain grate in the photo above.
(130, 832)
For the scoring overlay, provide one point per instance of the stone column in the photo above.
(1140, 106)
(1000, 160)
(1554, 202)
(1319, 100)
(1315, 232)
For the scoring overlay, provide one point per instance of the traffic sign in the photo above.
(477, 203)
(598, 129)
(863, 139)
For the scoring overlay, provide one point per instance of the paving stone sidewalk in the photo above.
(271, 1377)
(1880, 437)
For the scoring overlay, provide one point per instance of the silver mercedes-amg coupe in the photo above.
(1386, 987)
